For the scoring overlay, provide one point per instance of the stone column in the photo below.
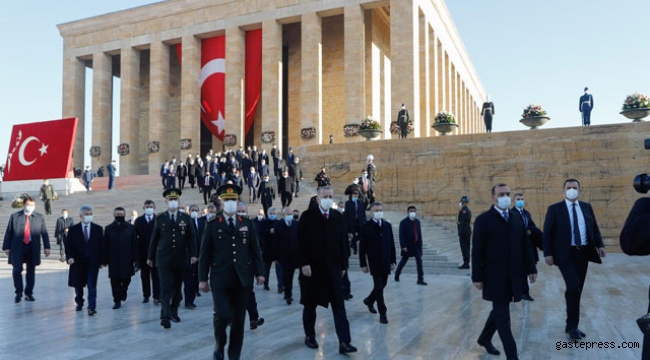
(74, 91)
(311, 43)
(405, 57)
(425, 87)
(190, 94)
(433, 80)
(102, 108)
(158, 108)
(354, 49)
(272, 79)
(130, 110)
(235, 83)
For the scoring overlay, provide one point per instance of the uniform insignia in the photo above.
(243, 228)
(464, 212)
(220, 219)
(244, 240)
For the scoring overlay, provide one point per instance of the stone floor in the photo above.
(439, 321)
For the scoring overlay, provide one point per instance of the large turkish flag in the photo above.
(213, 85)
(40, 150)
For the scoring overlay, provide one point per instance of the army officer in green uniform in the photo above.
(173, 245)
(230, 253)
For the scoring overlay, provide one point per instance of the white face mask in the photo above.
(88, 219)
(230, 206)
(288, 218)
(355, 182)
(503, 202)
(460, 204)
(194, 214)
(326, 204)
(260, 217)
(209, 216)
(173, 204)
(572, 194)
(242, 214)
(30, 209)
(412, 215)
(148, 211)
(65, 216)
(379, 215)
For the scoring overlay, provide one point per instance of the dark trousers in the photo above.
(574, 273)
(297, 186)
(191, 180)
(464, 240)
(91, 283)
(403, 131)
(347, 289)
(341, 323)
(586, 116)
(278, 274)
(17, 261)
(266, 207)
(287, 280)
(87, 185)
(252, 194)
(377, 293)
(525, 289)
(61, 242)
(170, 291)
(418, 262)
(190, 284)
(111, 182)
(645, 355)
(181, 182)
(230, 305)
(48, 206)
(149, 278)
(499, 320)
(206, 194)
(171, 182)
(251, 307)
(488, 123)
(286, 198)
(119, 288)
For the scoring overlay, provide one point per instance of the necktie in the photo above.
(365, 185)
(173, 219)
(576, 227)
(506, 215)
(207, 181)
(356, 210)
(415, 231)
(28, 231)
(231, 224)
(148, 219)
(523, 216)
(86, 237)
(325, 216)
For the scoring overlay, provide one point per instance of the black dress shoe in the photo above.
(422, 283)
(156, 301)
(311, 342)
(464, 266)
(256, 323)
(574, 334)
(198, 294)
(280, 290)
(370, 307)
(397, 278)
(348, 297)
(288, 300)
(489, 347)
(165, 323)
(383, 319)
(29, 298)
(345, 348)
(582, 334)
(190, 306)
(17, 299)
(117, 306)
(217, 355)
(175, 318)
(145, 300)
(527, 297)
(124, 297)
(78, 308)
(91, 312)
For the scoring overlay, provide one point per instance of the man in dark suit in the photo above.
(500, 255)
(112, 169)
(181, 173)
(148, 275)
(163, 173)
(253, 182)
(410, 240)
(372, 178)
(464, 230)
(355, 217)
(22, 244)
(533, 233)
(266, 193)
(403, 121)
(61, 231)
(295, 172)
(366, 188)
(89, 177)
(121, 255)
(171, 177)
(85, 255)
(322, 231)
(571, 240)
(275, 154)
(378, 245)
(286, 188)
(231, 256)
(207, 184)
(173, 246)
(286, 235)
(268, 244)
(586, 104)
(191, 277)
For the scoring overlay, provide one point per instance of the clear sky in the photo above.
(525, 52)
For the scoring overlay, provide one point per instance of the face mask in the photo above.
(148, 211)
(326, 204)
(230, 206)
(355, 182)
(30, 209)
(296, 217)
(364, 175)
(379, 215)
(194, 214)
(412, 215)
(209, 216)
(119, 219)
(242, 214)
(260, 217)
(173, 204)
(266, 180)
(65, 216)
(572, 194)
(272, 217)
(288, 218)
(285, 176)
(503, 202)
(519, 204)
(355, 198)
(88, 219)
(460, 204)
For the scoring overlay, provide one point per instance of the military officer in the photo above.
(230, 253)
(464, 230)
(173, 245)
(586, 104)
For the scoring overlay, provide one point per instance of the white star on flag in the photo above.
(220, 123)
(43, 149)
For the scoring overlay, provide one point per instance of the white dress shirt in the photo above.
(582, 225)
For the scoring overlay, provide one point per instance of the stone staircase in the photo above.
(441, 253)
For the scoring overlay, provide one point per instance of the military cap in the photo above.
(586, 88)
(172, 192)
(229, 192)
(465, 198)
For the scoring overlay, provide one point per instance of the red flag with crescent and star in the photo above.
(213, 85)
(40, 150)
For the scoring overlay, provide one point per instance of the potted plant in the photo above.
(444, 122)
(350, 130)
(394, 127)
(636, 107)
(534, 116)
(370, 128)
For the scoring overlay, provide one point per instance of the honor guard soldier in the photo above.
(464, 230)
(586, 104)
(173, 246)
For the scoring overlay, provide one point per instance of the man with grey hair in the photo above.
(372, 177)
(286, 230)
(268, 243)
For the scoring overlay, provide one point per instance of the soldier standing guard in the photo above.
(586, 104)
(487, 111)
(173, 245)
(464, 230)
(403, 121)
(47, 194)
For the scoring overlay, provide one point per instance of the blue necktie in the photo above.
(576, 227)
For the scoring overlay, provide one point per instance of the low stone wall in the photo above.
(433, 173)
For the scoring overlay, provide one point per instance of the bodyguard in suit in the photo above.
(206, 183)
(191, 277)
(295, 172)
(181, 173)
(585, 106)
(286, 188)
(253, 182)
(410, 240)
(323, 250)
(571, 240)
(266, 193)
(500, 255)
(533, 233)
(378, 245)
(286, 234)
(121, 255)
(22, 244)
(112, 169)
(231, 257)
(143, 231)
(269, 245)
(355, 217)
(85, 255)
(61, 231)
(173, 246)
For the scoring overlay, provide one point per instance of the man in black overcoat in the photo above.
(355, 217)
(61, 231)
(410, 240)
(286, 235)
(533, 233)
(148, 275)
(121, 255)
(266, 193)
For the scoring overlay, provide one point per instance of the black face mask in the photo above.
(119, 219)
(295, 217)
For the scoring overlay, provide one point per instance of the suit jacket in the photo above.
(111, 170)
(231, 259)
(121, 252)
(534, 234)
(295, 171)
(267, 239)
(501, 256)
(254, 180)
(15, 233)
(285, 184)
(407, 236)
(47, 192)
(635, 235)
(266, 193)
(287, 244)
(143, 232)
(354, 223)
(86, 255)
(89, 175)
(557, 233)
(378, 245)
(586, 102)
(59, 230)
(172, 244)
(211, 182)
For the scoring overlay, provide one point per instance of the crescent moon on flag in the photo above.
(212, 67)
(21, 151)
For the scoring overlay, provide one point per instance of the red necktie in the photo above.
(365, 185)
(415, 231)
(325, 216)
(28, 232)
(86, 233)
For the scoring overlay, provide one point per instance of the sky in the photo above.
(542, 52)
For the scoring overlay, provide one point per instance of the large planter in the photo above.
(636, 115)
(534, 121)
(444, 128)
(370, 134)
